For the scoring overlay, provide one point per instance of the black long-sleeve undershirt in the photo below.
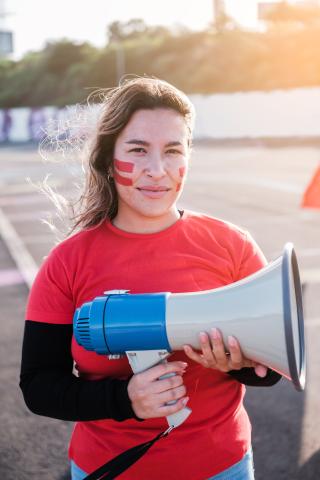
(50, 388)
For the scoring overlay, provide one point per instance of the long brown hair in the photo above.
(99, 201)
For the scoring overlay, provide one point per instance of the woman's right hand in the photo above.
(149, 394)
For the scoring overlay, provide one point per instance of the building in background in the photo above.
(6, 35)
(265, 8)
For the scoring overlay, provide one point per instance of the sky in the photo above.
(36, 21)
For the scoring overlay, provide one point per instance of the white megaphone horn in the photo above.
(263, 311)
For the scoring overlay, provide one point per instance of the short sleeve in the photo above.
(252, 258)
(51, 299)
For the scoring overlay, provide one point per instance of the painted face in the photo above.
(150, 163)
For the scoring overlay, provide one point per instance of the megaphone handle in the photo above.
(144, 359)
(178, 418)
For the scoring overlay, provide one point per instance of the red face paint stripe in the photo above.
(182, 171)
(127, 182)
(178, 187)
(123, 166)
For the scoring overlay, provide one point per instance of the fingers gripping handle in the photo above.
(168, 375)
(141, 361)
(177, 418)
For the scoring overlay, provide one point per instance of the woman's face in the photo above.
(150, 163)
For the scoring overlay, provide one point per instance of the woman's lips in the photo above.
(153, 191)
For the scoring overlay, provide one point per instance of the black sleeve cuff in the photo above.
(248, 377)
(125, 402)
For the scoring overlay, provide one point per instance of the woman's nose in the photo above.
(155, 166)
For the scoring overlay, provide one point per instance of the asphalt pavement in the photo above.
(257, 187)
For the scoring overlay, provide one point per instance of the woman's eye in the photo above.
(137, 150)
(174, 152)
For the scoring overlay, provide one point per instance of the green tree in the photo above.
(208, 61)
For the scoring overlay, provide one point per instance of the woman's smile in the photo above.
(153, 191)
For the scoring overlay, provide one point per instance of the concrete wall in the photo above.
(275, 114)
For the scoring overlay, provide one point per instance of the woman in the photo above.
(132, 236)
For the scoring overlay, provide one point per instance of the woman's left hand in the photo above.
(214, 355)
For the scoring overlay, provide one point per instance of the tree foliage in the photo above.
(224, 59)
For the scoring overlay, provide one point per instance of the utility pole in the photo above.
(120, 61)
(219, 10)
(219, 16)
(115, 39)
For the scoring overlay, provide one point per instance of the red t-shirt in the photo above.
(196, 253)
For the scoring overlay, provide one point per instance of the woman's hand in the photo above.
(214, 356)
(150, 394)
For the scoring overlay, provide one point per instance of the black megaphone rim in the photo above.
(290, 264)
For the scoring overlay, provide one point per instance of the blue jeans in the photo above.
(242, 470)
(76, 472)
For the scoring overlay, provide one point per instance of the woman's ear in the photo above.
(110, 175)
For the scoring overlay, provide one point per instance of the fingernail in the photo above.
(232, 341)
(215, 333)
(203, 337)
(184, 364)
(185, 401)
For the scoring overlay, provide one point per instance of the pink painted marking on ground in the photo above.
(123, 166)
(127, 182)
(10, 277)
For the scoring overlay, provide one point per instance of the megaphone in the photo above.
(263, 311)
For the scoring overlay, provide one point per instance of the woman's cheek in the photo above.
(180, 174)
(125, 172)
(122, 166)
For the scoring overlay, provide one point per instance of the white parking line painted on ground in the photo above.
(249, 180)
(10, 277)
(20, 254)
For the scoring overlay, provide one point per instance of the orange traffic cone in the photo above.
(311, 196)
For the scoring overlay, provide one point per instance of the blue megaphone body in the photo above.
(119, 322)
